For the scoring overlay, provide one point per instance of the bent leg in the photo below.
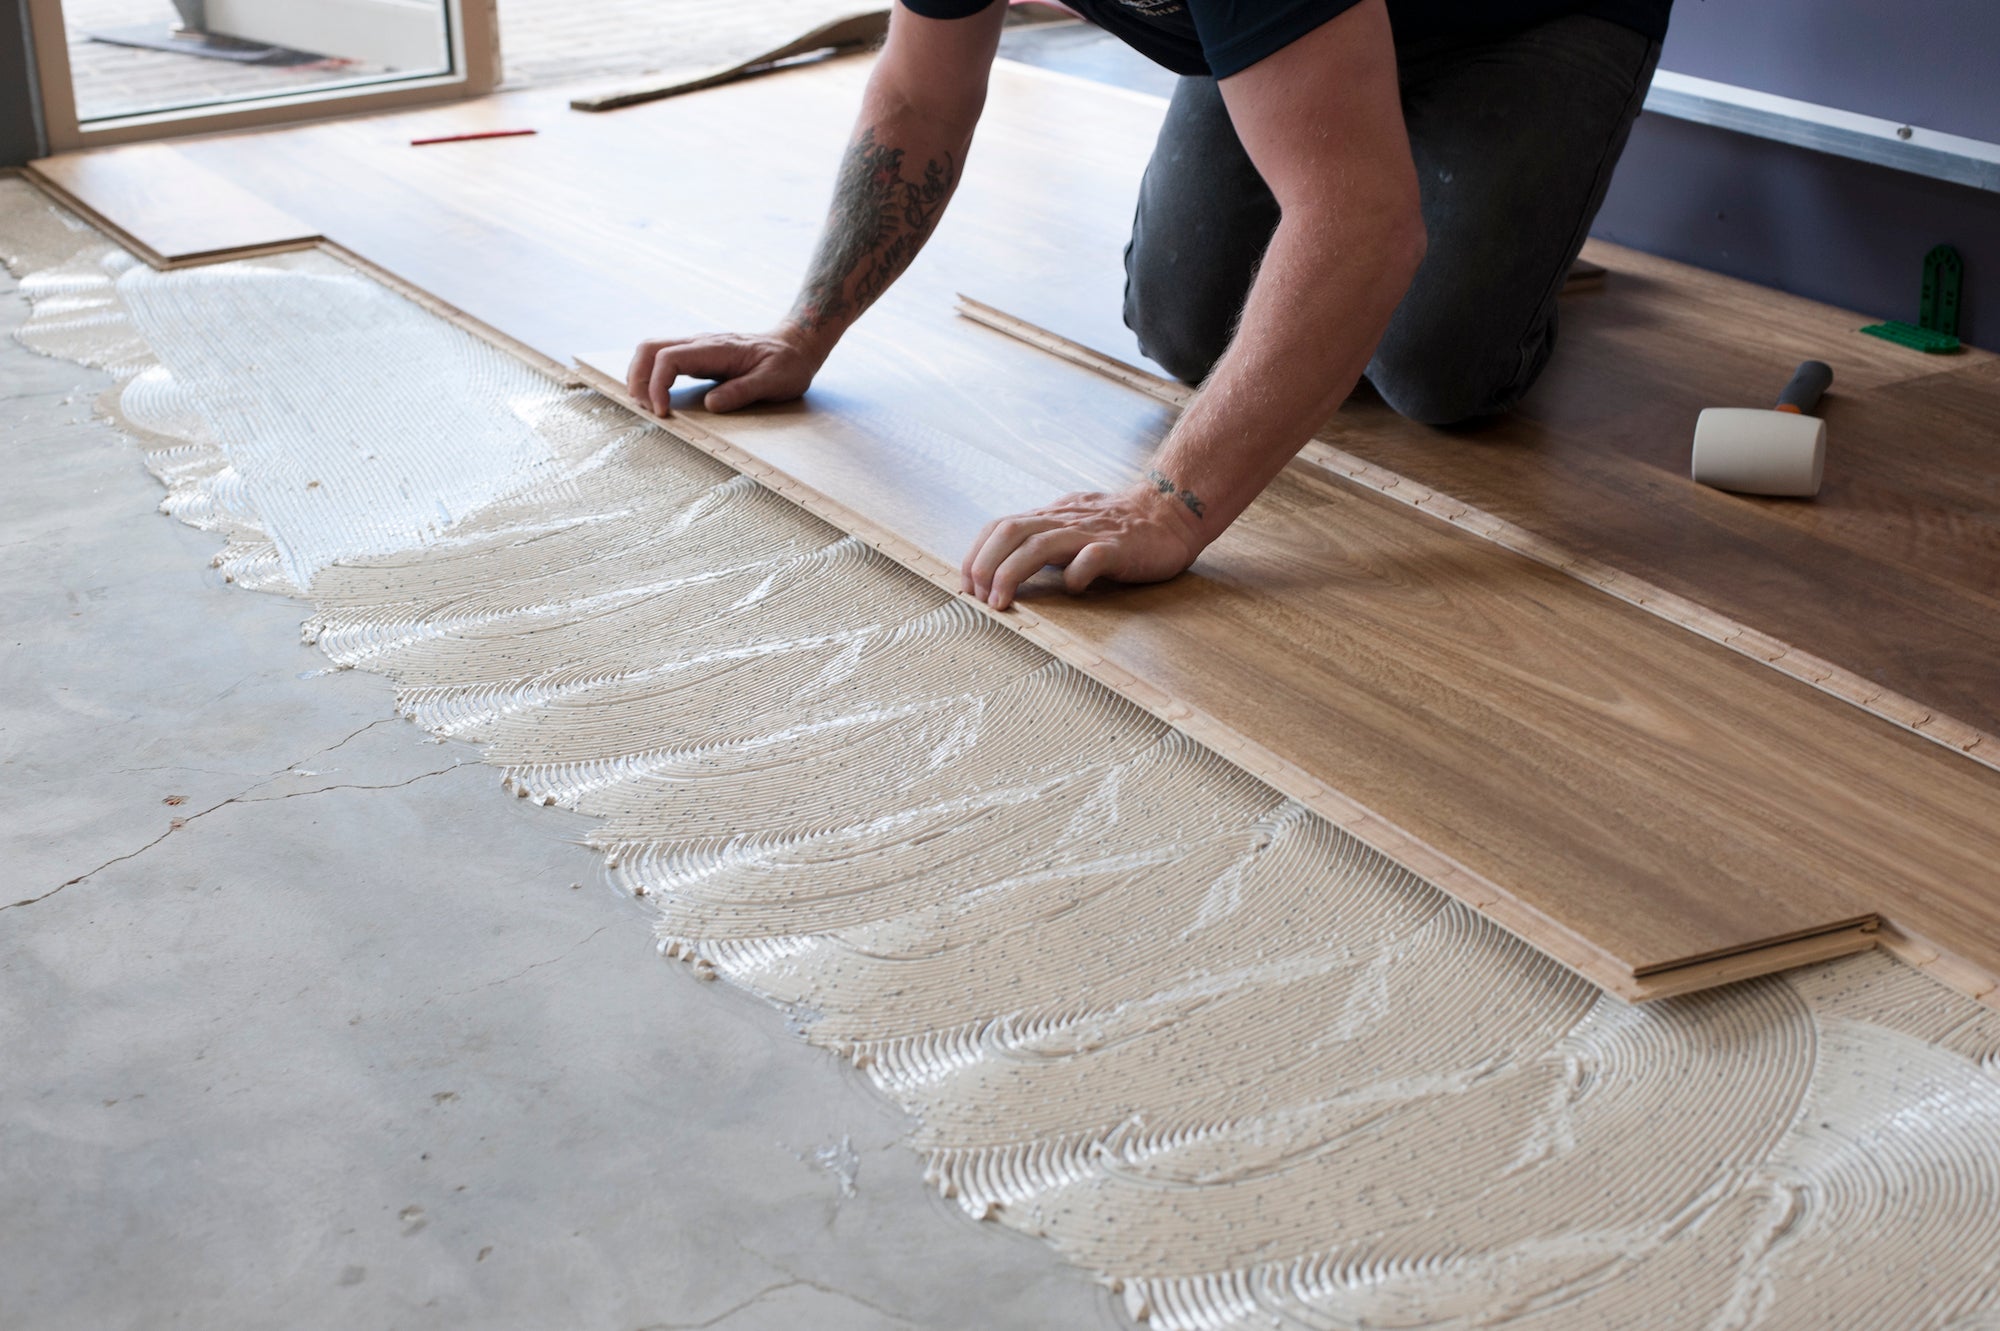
(1515, 141)
(1204, 220)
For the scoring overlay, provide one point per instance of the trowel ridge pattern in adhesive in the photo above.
(1140, 1005)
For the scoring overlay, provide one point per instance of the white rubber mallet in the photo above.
(1757, 452)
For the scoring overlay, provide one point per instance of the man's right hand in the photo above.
(760, 367)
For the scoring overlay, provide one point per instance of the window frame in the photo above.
(474, 31)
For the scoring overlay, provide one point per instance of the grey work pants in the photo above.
(1514, 139)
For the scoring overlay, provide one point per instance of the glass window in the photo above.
(134, 57)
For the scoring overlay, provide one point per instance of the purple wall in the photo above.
(1825, 227)
(1934, 63)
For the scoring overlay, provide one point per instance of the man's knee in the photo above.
(1176, 327)
(1187, 272)
(1203, 221)
(1432, 398)
(1456, 383)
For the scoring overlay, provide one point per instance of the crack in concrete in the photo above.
(283, 771)
(117, 859)
(380, 720)
(509, 979)
(37, 397)
(791, 1282)
(850, 1296)
(244, 797)
(321, 790)
(726, 1313)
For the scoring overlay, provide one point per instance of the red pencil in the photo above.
(475, 134)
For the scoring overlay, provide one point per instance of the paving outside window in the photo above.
(542, 42)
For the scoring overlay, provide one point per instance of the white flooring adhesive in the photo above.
(290, 397)
(1139, 1005)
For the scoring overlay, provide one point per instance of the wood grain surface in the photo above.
(1891, 572)
(1640, 788)
(167, 208)
(1650, 797)
(1788, 658)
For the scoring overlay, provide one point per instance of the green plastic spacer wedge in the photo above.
(1909, 335)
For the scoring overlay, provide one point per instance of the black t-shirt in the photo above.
(1224, 37)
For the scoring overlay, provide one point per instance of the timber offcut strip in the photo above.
(1821, 674)
(852, 33)
(842, 36)
(1481, 893)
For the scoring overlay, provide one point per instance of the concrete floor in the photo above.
(344, 1038)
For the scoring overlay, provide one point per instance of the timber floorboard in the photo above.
(1627, 796)
(1892, 572)
(1787, 658)
(169, 210)
(1648, 799)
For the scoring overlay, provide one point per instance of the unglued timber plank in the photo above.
(168, 209)
(1953, 734)
(1945, 964)
(1421, 798)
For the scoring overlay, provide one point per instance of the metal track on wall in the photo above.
(1925, 152)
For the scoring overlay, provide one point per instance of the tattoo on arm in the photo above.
(878, 222)
(1165, 485)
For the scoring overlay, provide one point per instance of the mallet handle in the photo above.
(1801, 395)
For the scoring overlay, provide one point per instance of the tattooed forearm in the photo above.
(1165, 485)
(878, 222)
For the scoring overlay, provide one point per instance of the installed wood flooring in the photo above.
(1893, 571)
(1632, 798)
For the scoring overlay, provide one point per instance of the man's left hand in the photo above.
(1139, 535)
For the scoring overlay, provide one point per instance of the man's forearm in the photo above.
(1319, 305)
(924, 98)
(898, 174)
(1321, 119)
